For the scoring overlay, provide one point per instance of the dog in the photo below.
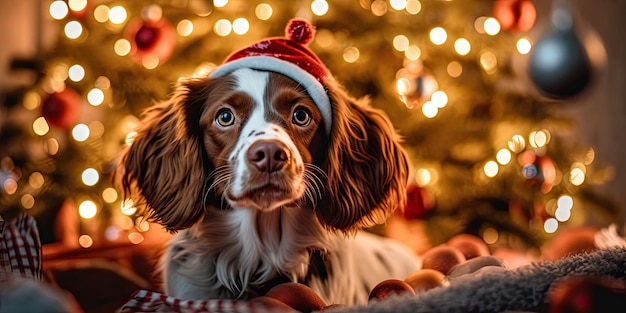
(268, 171)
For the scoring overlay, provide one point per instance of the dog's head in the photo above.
(258, 139)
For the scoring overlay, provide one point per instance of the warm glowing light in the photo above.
(241, 26)
(492, 26)
(462, 46)
(413, 6)
(40, 126)
(454, 69)
(517, 143)
(85, 241)
(524, 45)
(76, 73)
(423, 177)
(95, 97)
(562, 215)
(96, 129)
(319, 7)
(263, 11)
(566, 202)
(80, 132)
(489, 62)
(58, 9)
(150, 61)
(538, 139)
(90, 177)
(102, 82)
(503, 156)
(135, 238)
(153, 12)
(379, 7)
(438, 35)
(101, 13)
(128, 207)
(430, 109)
(479, 24)
(142, 224)
(10, 186)
(490, 235)
(351, 54)
(398, 4)
(577, 176)
(31, 100)
(27, 201)
(36, 180)
(87, 209)
(220, 3)
(400, 42)
(550, 225)
(122, 47)
(413, 52)
(491, 169)
(117, 15)
(109, 195)
(223, 27)
(124, 222)
(184, 28)
(73, 29)
(590, 156)
(51, 146)
(77, 5)
(439, 98)
(130, 137)
(402, 86)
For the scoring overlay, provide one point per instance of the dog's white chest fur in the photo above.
(214, 260)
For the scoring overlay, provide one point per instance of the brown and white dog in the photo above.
(267, 169)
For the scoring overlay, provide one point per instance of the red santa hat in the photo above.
(288, 56)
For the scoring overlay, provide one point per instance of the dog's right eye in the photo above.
(225, 117)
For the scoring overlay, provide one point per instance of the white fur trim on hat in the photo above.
(313, 87)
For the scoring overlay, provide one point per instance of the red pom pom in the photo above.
(300, 31)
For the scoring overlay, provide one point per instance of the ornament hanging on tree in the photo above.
(559, 65)
(61, 109)
(418, 203)
(150, 39)
(515, 15)
(538, 171)
(414, 85)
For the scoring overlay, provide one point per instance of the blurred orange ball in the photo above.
(425, 279)
(297, 296)
(471, 246)
(570, 241)
(442, 258)
(269, 304)
(390, 287)
(515, 15)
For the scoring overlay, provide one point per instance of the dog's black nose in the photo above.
(268, 155)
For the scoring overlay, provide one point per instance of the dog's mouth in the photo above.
(265, 197)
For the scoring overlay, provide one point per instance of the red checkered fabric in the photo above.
(148, 301)
(20, 248)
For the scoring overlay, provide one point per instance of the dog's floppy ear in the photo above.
(366, 166)
(164, 169)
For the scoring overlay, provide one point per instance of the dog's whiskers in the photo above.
(313, 182)
(217, 176)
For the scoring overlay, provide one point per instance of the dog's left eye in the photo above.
(225, 117)
(301, 117)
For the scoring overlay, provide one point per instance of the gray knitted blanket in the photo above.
(521, 289)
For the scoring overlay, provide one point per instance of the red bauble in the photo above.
(418, 203)
(442, 258)
(390, 287)
(426, 279)
(471, 246)
(149, 37)
(61, 109)
(515, 15)
(298, 296)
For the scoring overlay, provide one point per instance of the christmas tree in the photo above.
(486, 151)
